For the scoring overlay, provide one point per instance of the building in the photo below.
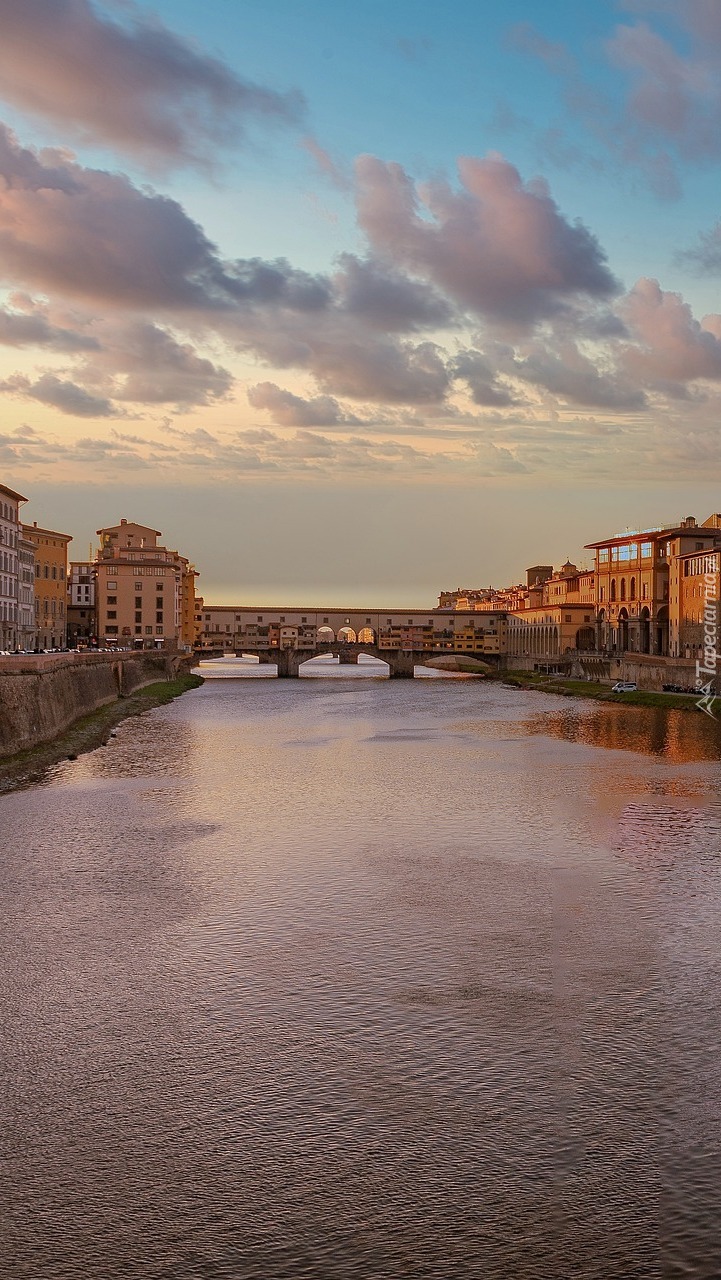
(558, 614)
(51, 572)
(82, 620)
(254, 627)
(10, 533)
(27, 635)
(694, 587)
(633, 583)
(145, 596)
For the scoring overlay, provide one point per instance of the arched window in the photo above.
(632, 595)
(623, 588)
(613, 588)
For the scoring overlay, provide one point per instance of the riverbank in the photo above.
(598, 692)
(89, 732)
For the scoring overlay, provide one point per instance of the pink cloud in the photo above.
(497, 246)
(671, 345)
(134, 85)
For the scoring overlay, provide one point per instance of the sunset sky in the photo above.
(358, 301)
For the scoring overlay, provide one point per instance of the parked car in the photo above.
(624, 686)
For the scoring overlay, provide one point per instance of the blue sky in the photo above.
(542, 320)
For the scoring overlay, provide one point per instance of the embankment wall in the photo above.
(41, 697)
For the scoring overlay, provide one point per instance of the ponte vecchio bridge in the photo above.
(402, 638)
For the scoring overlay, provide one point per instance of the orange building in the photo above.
(51, 572)
(633, 583)
(145, 595)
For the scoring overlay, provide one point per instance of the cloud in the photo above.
(386, 298)
(326, 165)
(132, 84)
(89, 234)
(671, 346)
(705, 255)
(68, 397)
(146, 364)
(33, 329)
(289, 410)
(475, 370)
(497, 246)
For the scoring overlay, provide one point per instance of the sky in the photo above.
(360, 302)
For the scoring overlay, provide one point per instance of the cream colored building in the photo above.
(557, 616)
(51, 573)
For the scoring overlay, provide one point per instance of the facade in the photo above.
(51, 572)
(10, 534)
(143, 590)
(27, 636)
(82, 619)
(558, 614)
(693, 557)
(633, 576)
(255, 627)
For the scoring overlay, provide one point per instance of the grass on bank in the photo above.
(89, 732)
(598, 692)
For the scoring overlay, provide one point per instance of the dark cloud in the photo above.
(85, 233)
(130, 83)
(386, 298)
(289, 410)
(497, 246)
(705, 255)
(23, 329)
(68, 397)
(473, 369)
(144, 363)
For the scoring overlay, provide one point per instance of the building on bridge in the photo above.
(258, 627)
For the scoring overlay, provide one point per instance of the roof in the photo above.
(30, 529)
(18, 497)
(651, 535)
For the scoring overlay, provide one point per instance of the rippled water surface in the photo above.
(412, 979)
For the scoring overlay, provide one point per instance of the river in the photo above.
(367, 979)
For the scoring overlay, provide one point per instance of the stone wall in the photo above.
(41, 697)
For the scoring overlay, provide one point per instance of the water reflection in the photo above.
(365, 979)
(678, 736)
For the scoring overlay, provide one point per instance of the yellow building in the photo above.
(557, 615)
(145, 595)
(51, 572)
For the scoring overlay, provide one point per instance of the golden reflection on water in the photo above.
(680, 737)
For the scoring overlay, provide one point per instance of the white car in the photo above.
(624, 686)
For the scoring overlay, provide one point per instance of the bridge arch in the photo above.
(366, 635)
(325, 635)
(347, 635)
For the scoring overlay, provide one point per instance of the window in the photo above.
(159, 602)
(603, 555)
(37, 570)
(138, 602)
(158, 631)
(159, 586)
(112, 613)
(45, 571)
(139, 616)
(111, 631)
(112, 586)
(138, 631)
(623, 588)
(148, 631)
(112, 599)
(159, 616)
(613, 588)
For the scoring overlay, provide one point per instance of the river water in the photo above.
(365, 979)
